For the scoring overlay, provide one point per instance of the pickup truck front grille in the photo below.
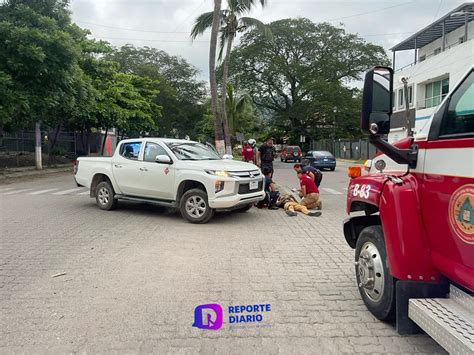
(245, 188)
(245, 174)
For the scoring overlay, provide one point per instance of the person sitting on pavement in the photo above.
(291, 206)
(315, 174)
(309, 191)
(270, 191)
(247, 153)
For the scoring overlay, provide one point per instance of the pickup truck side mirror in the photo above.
(163, 159)
(377, 101)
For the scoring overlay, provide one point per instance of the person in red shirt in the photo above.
(247, 153)
(309, 191)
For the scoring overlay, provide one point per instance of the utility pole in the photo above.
(407, 107)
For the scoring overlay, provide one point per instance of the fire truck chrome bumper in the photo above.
(449, 321)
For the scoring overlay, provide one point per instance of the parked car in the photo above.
(169, 172)
(320, 159)
(291, 152)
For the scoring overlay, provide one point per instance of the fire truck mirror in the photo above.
(377, 101)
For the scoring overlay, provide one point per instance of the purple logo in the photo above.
(208, 316)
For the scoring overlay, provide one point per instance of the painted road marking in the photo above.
(84, 193)
(331, 191)
(16, 191)
(68, 191)
(42, 191)
(8, 188)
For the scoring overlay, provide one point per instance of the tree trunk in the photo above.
(225, 74)
(38, 157)
(103, 142)
(212, 78)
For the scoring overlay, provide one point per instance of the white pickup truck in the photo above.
(175, 173)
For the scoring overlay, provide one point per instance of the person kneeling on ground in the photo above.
(271, 194)
(309, 191)
(314, 173)
(290, 205)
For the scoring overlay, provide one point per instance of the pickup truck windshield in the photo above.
(193, 151)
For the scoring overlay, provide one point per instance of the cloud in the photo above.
(166, 24)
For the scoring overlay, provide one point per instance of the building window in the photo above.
(400, 98)
(394, 100)
(437, 51)
(435, 92)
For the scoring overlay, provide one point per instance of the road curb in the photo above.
(7, 174)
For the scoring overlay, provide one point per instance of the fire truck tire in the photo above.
(376, 285)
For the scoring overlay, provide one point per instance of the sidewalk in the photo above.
(14, 173)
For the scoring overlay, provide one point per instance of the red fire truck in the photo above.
(411, 217)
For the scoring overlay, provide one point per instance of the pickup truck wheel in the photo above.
(194, 206)
(376, 285)
(104, 196)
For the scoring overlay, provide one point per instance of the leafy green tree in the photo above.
(231, 23)
(180, 93)
(38, 57)
(301, 77)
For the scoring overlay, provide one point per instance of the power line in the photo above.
(370, 12)
(127, 29)
(191, 14)
(387, 34)
(149, 40)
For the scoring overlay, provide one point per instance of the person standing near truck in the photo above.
(247, 153)
(266, 155)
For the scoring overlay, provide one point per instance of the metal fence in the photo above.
(359, 149)
(17, 149)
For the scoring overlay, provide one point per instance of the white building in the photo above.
(443, 51)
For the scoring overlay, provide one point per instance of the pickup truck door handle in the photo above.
(143, 169)
(117, 165)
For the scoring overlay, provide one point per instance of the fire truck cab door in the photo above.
(447, 184)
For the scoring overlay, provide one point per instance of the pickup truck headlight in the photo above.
(222, 173)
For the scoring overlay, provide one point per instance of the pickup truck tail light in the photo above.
(76, 166)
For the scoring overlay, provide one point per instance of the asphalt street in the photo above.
(74, 278)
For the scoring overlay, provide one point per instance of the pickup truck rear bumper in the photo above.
(232, 201)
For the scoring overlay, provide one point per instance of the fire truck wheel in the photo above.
(376, 285)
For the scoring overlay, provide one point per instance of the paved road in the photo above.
(133, 277)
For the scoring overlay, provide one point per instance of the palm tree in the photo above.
(231, 22)
(237, 107)
(215, 19)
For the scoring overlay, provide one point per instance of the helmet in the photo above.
(252, 142)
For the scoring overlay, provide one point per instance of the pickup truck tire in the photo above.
(376, 285)
(194, 206)
(104, 196)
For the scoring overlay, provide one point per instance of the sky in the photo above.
(166, 24)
